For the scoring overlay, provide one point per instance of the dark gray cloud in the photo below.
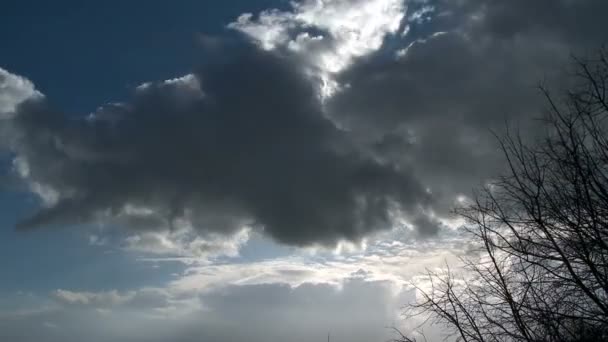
(246, 139)
(470, 69)
(434, 109)
(251, 146)
(574, 22)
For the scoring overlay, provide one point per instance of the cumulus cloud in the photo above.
(328, 36)
(14, 90)
(248, 142)
(465, 70)
(241, 144)
(350, 28)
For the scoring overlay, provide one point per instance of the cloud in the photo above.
(359, 311)
(241, 143)
(327, 36)
(349, 28)
(186, 243)
(248, 141)
(356, 296)
(335, 121)
(141, 299)
(463, 72)
(14, 90)
(109, 298)
(392, 257)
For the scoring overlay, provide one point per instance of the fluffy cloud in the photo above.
(326, 36)
(247, 141)
(463, 72)
(13, 91)
(239, 144)
(343, 29)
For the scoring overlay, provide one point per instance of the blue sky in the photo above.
(268, 170)
(105, 48)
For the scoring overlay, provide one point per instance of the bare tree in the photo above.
(541, 229)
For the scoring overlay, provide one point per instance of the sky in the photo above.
(259, 170)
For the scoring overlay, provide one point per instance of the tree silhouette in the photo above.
(541, 230)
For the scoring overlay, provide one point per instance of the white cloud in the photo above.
(104, 299)
(355, 294)
(186, 243)
(384, 259)
(421, 15)
(270, 29)
(328, 34)
(187, 86)
(14, 90)
(357, 27)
